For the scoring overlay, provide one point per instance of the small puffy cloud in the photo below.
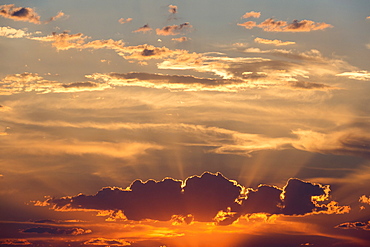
(275, 42)
(355, 225)
(172, 9)
(364, 199)
(362, 75)
(57, 231)
(10, 11)
(107, 242)
(181, 39)
(251, 14)
(143, 29)
(173, 30)
(123, 20)
(271, 25)
(59, 15)
(18, 242)
(12, 33)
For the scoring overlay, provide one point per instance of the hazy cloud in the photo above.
(181, 39)
(362, 75)
(252, 14)
(19, 13)
(273, 42)
(143, 29)
(173, 30)
(123, 20)
(248, 24)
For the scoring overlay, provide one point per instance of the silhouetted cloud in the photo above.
(107, 242)
(143, 29)
(173, 30)
(123, 20)
(355, 225)
(57, 230)
(252, 14)
(18, 242)
(275, 42)
(209, 197)
(271, 25)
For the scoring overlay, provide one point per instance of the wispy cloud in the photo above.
(362, 75)
(271, 25)
(252, 14)
(181, 39)
(275, 42)
(123, 20)
(173, 30)
(143, 29)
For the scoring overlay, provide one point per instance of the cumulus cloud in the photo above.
(364, 199)
(271, 25)
(275, 42)
(173, 30)
(362, 75)
(123, 20)
(172, 9)
(12, 33)
(201, 198)
(143, 29)
(107, 242)
(57, 231)
(10, 11)
(252, 14)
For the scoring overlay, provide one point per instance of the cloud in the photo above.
(173, 30)
(57, 231)
(17, 242)
(12, 33)
(364, 199)
(181, 39)
(362, 75)
(59, 15)
(251, 14)
(19, 13)
(206, 198)
(355, 226)
(64, 40)
(123, 20)
(346, 142)
(271, 25)
(273, 42)
(172, 9)
(107, 242)
(143, 29)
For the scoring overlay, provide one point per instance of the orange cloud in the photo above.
(270, 25)
(275, 42)
(173, 30)
(143, 29)
(107, 242)
(59, 15)
(251, 14)
(64, 40)
(19, 13)
(181, 39)
(16, 242)
(362, 75)
(123, 21)
(12, 33)
(172, 9)
(364, 199)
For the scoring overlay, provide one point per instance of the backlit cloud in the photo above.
(173, 30)
(107, 242)
(355, 226)
(271, 25)
(17, 242)
(10, 11)
(143, 29)
(252, 14)
(275, 42)
(57, 231)
(201, 198)
(123, 20)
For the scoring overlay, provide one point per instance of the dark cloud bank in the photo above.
(207, 198)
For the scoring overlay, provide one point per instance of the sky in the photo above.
(185, 123)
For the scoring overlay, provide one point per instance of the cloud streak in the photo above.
(173, 30)
(275, 42)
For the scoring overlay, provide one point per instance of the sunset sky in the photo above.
(185, 123)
